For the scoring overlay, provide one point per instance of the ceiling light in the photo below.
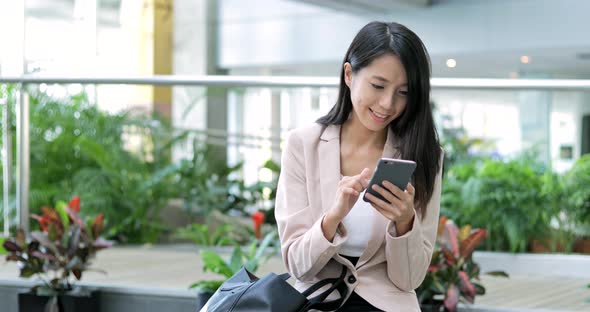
(451, 63)
(524, 59)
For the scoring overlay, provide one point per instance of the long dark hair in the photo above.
(416, 136)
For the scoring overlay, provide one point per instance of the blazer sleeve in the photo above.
(305, 249)
(408, 256)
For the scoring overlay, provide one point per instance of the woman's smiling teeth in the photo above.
(378, 115)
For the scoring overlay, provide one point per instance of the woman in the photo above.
(382, 110)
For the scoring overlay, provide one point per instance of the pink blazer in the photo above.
(389, 269)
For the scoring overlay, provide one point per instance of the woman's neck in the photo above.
(356, 134)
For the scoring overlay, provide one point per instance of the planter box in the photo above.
(582, 245)
(29, 302)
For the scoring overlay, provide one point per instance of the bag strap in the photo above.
(285, 276)
(318, 303)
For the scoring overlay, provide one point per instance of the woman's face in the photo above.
(378, 91)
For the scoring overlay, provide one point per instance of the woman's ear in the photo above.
(348, 74)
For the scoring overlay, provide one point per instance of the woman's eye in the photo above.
(403, 92)
(378, 87)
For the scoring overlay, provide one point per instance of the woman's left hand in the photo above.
(401, 210)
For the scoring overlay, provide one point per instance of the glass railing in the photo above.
(214, 144)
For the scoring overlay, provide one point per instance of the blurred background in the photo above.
(173, 164)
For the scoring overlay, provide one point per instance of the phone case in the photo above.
(396, 171)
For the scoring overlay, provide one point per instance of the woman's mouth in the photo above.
(378, 116)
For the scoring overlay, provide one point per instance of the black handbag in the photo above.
(244, 292)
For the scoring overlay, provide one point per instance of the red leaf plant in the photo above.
(258, 218)
(64, 247)
(453, 276)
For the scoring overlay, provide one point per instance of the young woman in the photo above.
(383, 110)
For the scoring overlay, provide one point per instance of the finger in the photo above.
(364, 177)
(410, 189)
(366, 174)
(394, 189)
(350, 191)
(389, 214)
(356, 184)
(386, 214)
(385, 193)
(379, 202)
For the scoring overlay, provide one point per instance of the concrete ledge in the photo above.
(574, 265)
(112, 299)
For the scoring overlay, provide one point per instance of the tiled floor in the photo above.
(172, 269)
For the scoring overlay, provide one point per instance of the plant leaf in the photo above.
(467, 289)
(469, 244)
(497, 274)
(61, 209)
(2, 248)
(235, 260)
(44, 241)
(41, 255)
(479, 289)
(450, 238)
(449, 257)
(74, 240)
(97, 226)
(206, 286)
(266, 242)
(441, 225)
(9, 245)
(101, 243)
(214, 263)
(20, 238)
(77, 273)
(464, 232)
(452, 298)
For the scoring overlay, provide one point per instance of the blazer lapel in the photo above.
(329, 164)
(379, 221)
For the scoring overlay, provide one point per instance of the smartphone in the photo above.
(397, 171)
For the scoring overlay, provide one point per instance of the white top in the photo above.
(358, 223)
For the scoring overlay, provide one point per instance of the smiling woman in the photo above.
(382, 110)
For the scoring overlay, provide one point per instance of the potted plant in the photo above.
(258, 253)
(577, 180)
(63, 248)
(452, 276)
(502, 197)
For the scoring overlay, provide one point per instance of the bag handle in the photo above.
(318, 303)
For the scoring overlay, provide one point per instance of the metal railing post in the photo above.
(23, 156)
(6, 154)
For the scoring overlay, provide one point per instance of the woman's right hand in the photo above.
(349, 189)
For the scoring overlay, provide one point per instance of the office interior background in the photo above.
(541, 40)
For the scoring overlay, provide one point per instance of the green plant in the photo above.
(76, 148)
(205, 183)
(63, 248)
(504, 197)
(258, 253)
(201, 234)
(577, 182)
(2, 249)
(264, 193)
(453, 276)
